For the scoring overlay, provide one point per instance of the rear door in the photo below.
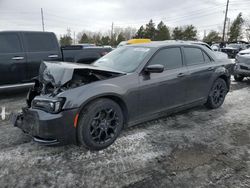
(201, 68)
(166, 90)
(12, 59)
(40, 46)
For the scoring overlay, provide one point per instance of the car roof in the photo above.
(159, 44)
(26, 32)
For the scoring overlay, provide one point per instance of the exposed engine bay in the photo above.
(55, 78)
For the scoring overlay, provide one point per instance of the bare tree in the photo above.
(247, 31)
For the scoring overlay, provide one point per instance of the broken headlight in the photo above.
(51, 106)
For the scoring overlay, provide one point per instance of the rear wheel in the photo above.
(217, 94)
(100, 124)
(238, 78)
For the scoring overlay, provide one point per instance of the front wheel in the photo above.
(238, 78)
(100, 124)
(217, 94)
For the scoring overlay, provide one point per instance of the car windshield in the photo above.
(234, 45)
(125, 59)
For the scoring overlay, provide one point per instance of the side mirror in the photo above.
(157, 68)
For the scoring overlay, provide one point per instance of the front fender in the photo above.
(76, 98)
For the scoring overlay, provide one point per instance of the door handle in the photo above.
(53, 56)
(17, 58)
(181, 75)
(210, 69)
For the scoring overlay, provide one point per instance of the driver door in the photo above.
(166, 90)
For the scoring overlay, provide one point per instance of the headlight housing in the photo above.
(48, 105)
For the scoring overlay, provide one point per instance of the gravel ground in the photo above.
(196, 148)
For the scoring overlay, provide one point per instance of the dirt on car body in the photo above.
(196, 148)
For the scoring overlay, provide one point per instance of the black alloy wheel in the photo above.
(104, 125)
(217, 94)
(100, 123)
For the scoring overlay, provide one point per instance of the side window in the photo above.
(37, 42)
(194, 56)
(10, 43)
(206, 58)
(170, 58)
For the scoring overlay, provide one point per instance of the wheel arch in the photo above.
(116, 98)
(226, 79)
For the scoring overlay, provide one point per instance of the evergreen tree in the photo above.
(185, 33)
(190, 33)
(236, 29)
(150, 31)
(65, 40)
(120, 38)
(212, 37)
(162, 32)
(96, 39)
(177, 33)
(105, 40)
(140, 33)
(84, 39)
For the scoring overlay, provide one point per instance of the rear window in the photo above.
(10, 43)
(194, 56)
(37, 42)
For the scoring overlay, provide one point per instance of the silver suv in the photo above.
(242, 67)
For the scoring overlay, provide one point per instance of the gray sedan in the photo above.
(91, 104)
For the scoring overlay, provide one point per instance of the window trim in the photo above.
(167, 47)
(204, 53)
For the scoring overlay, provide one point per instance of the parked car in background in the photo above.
(134, 41)
(242, 67)
(86, 55)
(215, 47)
(21, 53)
(83, 45)
(91, 104)
(233, 49)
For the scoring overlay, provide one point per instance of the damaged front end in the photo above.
(55, 78)
(44, 117)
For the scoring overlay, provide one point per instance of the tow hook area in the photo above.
(16, 119)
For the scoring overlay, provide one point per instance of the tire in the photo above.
(217, 94)
(100, 124)
(238, 78)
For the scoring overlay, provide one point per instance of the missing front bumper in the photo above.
(46, 128)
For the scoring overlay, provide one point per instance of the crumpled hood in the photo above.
(59, 73)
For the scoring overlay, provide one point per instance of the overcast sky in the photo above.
(97, 15)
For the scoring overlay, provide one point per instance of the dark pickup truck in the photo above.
(21, 53)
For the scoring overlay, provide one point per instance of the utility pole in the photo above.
(42, 18)
(205, 33)
(228, 27)
(112, 33)
(225, 22)
(74, 37)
